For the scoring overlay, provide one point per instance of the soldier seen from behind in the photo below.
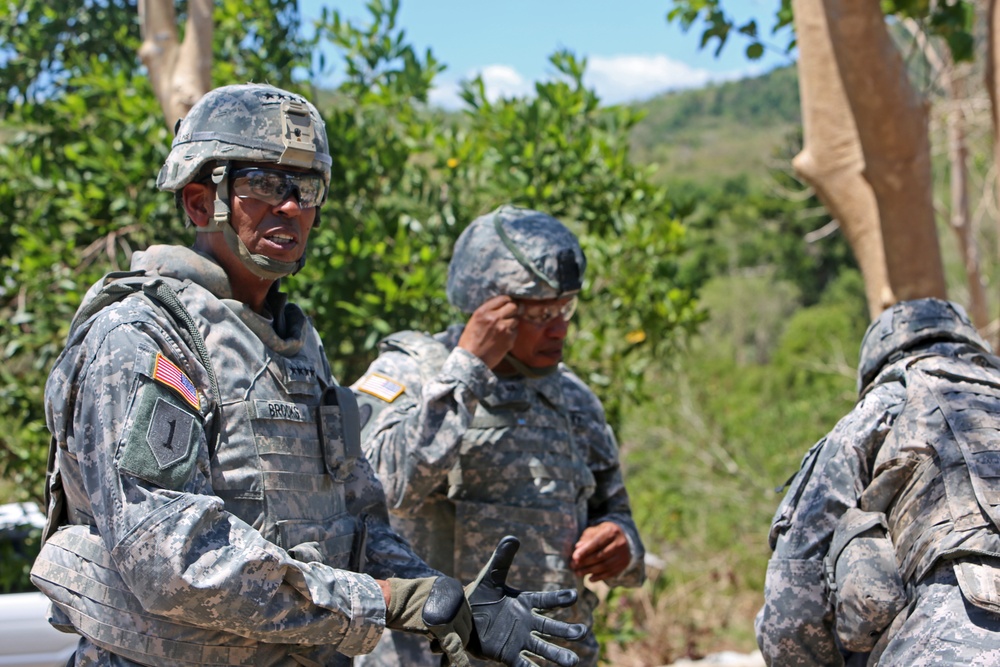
(887, 542)
(209, 501)
(480, 430)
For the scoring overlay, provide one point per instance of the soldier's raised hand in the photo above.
(490, 332)
(505, 620)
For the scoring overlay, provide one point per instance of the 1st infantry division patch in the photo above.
(381, 386)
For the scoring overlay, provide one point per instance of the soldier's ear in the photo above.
(199, 202)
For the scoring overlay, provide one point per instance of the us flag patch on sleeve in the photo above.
(381, 387)
(168, 373)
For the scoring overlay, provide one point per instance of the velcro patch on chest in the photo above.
(168, 373)
(282, 411)
(380, 386)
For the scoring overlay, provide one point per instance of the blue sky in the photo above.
(632, 52)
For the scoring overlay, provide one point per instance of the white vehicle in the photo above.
(26, 638)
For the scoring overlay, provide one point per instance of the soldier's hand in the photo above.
(505, 623)
(435, 607)
(491, 330)
(602, 552)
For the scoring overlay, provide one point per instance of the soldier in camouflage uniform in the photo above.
(887, 543)
(479, 430)
(209, 501)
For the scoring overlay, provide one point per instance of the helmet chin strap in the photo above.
(530, 371)
(260, 265)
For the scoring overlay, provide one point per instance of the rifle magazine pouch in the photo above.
(863, 578)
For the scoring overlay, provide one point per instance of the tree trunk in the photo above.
(961, 220)
(892, 123)
(831, 160)
(993, 82)
(180, 73)
(953, 79)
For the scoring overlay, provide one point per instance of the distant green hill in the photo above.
(720, 131)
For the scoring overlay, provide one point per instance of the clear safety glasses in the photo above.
(274, 186)
(540, 313)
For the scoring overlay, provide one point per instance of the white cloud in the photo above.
(499, 81)
(505, 81)
(617, 79)
(626, 78)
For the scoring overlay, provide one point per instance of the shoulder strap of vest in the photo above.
(117, 286)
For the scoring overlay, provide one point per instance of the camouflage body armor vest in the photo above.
(520, 473)
(280, 462)
(937, 475)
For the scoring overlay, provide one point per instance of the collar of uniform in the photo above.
(183, 264)
(283, 332)
(530, 372)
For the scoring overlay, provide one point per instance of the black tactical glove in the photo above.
(435, 607)
(505, 623)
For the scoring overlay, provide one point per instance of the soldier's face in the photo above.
(540, 345)
(278, 231)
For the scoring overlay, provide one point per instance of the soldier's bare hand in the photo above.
(491, 330)
(602, 552)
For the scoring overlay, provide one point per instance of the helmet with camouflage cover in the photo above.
(909, 324)
(515, 252)
(246, 123)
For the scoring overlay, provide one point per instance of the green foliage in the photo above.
(381, 68)
(703, 459)
(738, 226)
(257, 40)
(44, 45)
(19, 545)
(770, 99)
(951, 20)
(700, 135)
(719, 25)
(77, 173)
(954, 23)
(376, 263)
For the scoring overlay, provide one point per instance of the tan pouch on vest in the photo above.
(863, 578)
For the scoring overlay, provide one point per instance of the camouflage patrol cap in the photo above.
(517, 252)
(908, 324)
(246, 122)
